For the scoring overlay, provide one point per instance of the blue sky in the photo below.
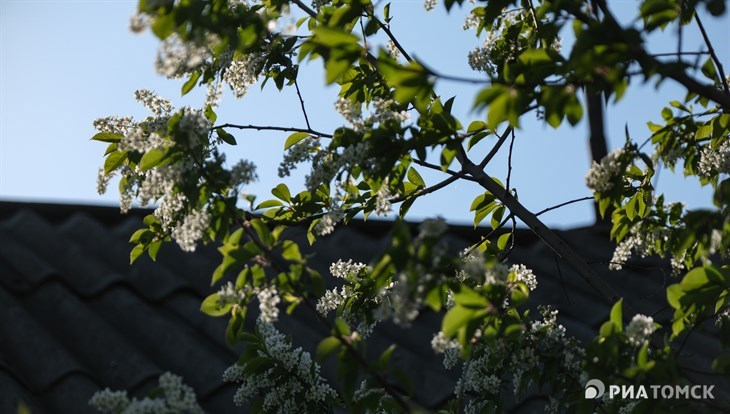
(65, 63)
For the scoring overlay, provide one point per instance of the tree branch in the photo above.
(723, 79)
(274, 128)
(540, 229)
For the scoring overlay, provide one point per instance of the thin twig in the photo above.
(562, 281)
(495, 148)
(723, 79)
(301, 102)
(427, 190)
(509, 161)
(438, 168)
(274, 128)
(562, 205)
(393, 39)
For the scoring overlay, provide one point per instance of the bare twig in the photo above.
(495, 148)
(540, 229)
(274, 128)
(301, 102)
(509, 162)
(723, 79)
(541, 212)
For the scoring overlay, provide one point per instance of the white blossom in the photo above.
(431, 228)
(169, 209)
(523, 274)
(471, 22)
(300, 152)
(229, 295)
(715, 160)
(154, 103)
(268, 299)
(175, 398)
(382, 200)
(244, 72)
(600, 176)
(102, 181)
(343, 269)
(330, 301)
(393, 50)
(440, 343)
(497, 274)
(302, 383)
(640, 329)
(191, 230)
(139, 22)
(429, 5)
(244, 172)
(176, 58)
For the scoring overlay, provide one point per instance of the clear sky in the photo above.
(65, 63)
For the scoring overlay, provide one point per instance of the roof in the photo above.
(76, 317)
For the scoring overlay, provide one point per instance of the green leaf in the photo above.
(290, 251)
(135, 253)
(447, 156)
(153, 249)
(282, 192)
(152, 158)
(476, 126)
(695, 279)
(269, 204)
(190, 84)
(107, 137)
(617, 315)
(211, 306)
(674, 295)
(326, 347)
(455, 318)
(114, 160)
(503, 240)
(469, 298)
(226, 137)
(294, 138)
(416, 178)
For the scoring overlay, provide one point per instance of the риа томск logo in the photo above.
(595, 388)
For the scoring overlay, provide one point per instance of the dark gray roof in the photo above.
(76, 318)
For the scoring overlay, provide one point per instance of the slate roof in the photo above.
(76, 318)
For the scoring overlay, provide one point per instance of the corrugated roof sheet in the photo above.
(77, 318)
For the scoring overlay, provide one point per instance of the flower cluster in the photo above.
(525, 275)
(639, 241)
(244, 72)
(382, 112)
(229, 295)
(174, 398)
(432, 228)
(191, 230)
(600, 177)
(640, 329)
(177, 58)
(302, 151)
(393, 50)
(493, 363)
(268, 299)
(440, 343)
(382, 200)
(343, 269)
(496, 47)
(429, 5)
(242, 173)
(715, 160)
(329, 220)
(291, 384)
